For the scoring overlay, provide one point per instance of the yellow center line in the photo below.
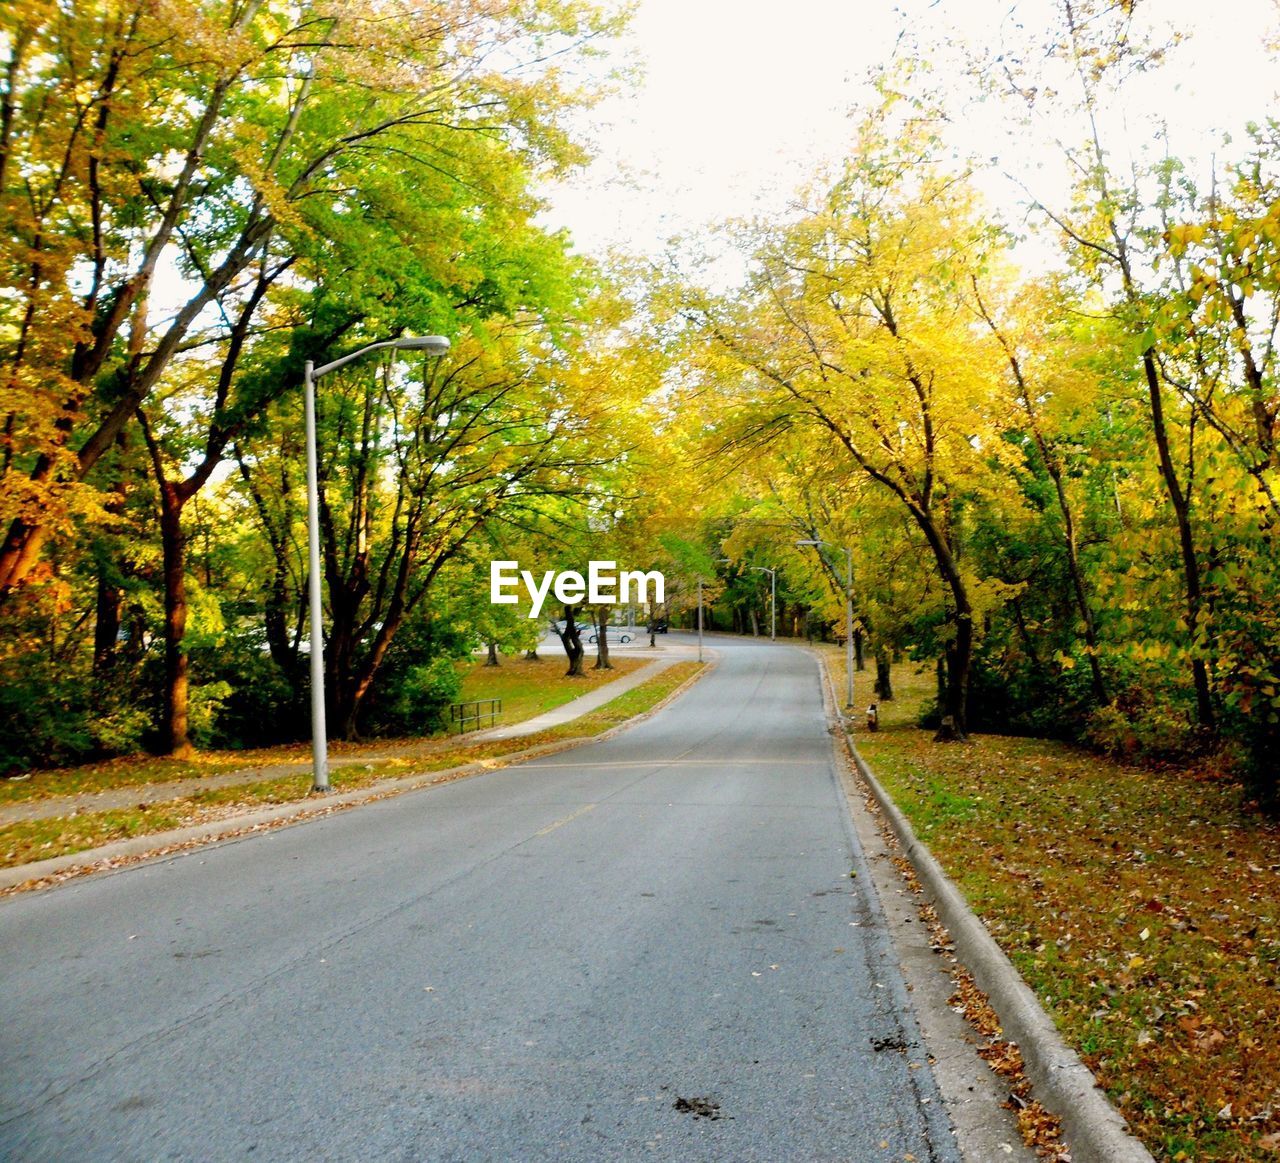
(582, 811)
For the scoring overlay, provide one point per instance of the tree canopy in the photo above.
(1060, 486)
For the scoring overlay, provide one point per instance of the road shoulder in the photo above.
(973, 1093)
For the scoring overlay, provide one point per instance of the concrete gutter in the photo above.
(1094, 1129)
(157, 845)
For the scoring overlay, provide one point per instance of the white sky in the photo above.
(743, 100)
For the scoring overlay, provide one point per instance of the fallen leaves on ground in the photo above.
(1141, 906)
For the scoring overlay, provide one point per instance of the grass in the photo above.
(526, 688)
(529, 688)
(1141, 906)
(132, 771)
(25, 841)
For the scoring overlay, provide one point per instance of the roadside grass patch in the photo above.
(29, 840)
(1141, 906)
(526, 688)
(530, 687)
(132, 771)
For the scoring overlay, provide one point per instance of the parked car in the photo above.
(622, 636)
(658, 627)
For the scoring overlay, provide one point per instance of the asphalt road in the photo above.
(537, 963)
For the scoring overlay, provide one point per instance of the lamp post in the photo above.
(848, 614)
(433, 345)
(773, 599)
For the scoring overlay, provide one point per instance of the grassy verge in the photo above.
(526, 688)
(529, 688)
(23, 842)
(1140, 906)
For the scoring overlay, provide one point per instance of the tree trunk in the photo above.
(858, 662)
(110, 601)
(755, 623)
(1053, 466)
(953, 702)
(492, 660)
(884, 680)
(571, 640)
(276, 617)
(106, 629)
(1181, 505)
(954, 726)
(531, 655)
(602, 638)
(1021, 622)
(177, 743)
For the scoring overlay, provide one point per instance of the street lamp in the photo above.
(432, 345)
(848, 613)
(773, 599)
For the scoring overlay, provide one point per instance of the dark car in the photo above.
(658, 626)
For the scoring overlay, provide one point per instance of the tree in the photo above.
(412, 469)
(202, 137)
(852, 323)
(1097, 44)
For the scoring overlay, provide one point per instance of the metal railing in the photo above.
(480, 712)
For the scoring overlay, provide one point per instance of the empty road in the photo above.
(648, 948)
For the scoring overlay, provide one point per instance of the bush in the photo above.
(120, 730)
(1052, 700)
(1262, 765)
(1136, 726)
(417, 702)
(246, 699)
(204, 704)
(1256, 734)
(44, 715)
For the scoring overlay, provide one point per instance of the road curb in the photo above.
(1095, 1130)
(159, 845)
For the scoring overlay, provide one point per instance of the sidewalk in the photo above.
(152, 793)
(569, 711)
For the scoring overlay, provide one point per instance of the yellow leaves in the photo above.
(1149, 651)
(1182, 236)
(204, 40)
(249, 155)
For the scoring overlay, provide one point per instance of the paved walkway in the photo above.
(567, 712)
(153, 793)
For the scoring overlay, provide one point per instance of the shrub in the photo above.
(120, 729)
(416, 703)
(203, 707)
(1137, 726)
(251, 701)
(44, 715)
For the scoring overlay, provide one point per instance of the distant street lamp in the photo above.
(773, 599)
(432, 345)
(848, 613)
